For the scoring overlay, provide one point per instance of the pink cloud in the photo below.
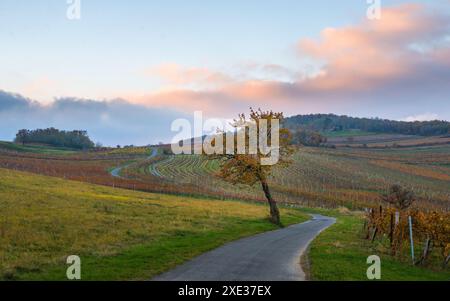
(359, 63)
(371, 53)
(175, 74)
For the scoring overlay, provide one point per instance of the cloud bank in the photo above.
(109, 122)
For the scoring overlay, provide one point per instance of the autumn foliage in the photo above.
(247, 168)
(431, 229)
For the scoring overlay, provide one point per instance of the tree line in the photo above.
(335, 123)
(72, 139)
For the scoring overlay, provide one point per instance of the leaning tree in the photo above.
(249, 165)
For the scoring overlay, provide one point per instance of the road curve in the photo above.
(116, 171)
(271, 256)
(153, 167)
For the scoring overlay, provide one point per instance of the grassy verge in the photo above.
(340, 253)
(119, 234)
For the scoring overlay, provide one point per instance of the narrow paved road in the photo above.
(153, 167)
(116, 171)
(271, 256)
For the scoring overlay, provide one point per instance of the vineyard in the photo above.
(430, 231)
(373, 140)
(92, 167)
(330, 178)
(190, 174)
(398, 224)
(95, 167)
(348, 177)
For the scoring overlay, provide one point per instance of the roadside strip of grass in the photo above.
(340, 253)
(118, 234)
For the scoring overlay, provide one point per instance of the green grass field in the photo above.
(119, 234)
(38, 149)
(347, 133)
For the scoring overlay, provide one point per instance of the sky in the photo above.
(126, 69)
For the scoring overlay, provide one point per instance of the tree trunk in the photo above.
(274, 212)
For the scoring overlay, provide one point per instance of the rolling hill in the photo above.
(335, 125)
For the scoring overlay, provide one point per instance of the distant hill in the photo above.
(330, 123)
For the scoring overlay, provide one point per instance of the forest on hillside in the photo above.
(335, 123)
(54, 137)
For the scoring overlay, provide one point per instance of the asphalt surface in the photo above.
(271, 256)
(116, 171)
(153, 168)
